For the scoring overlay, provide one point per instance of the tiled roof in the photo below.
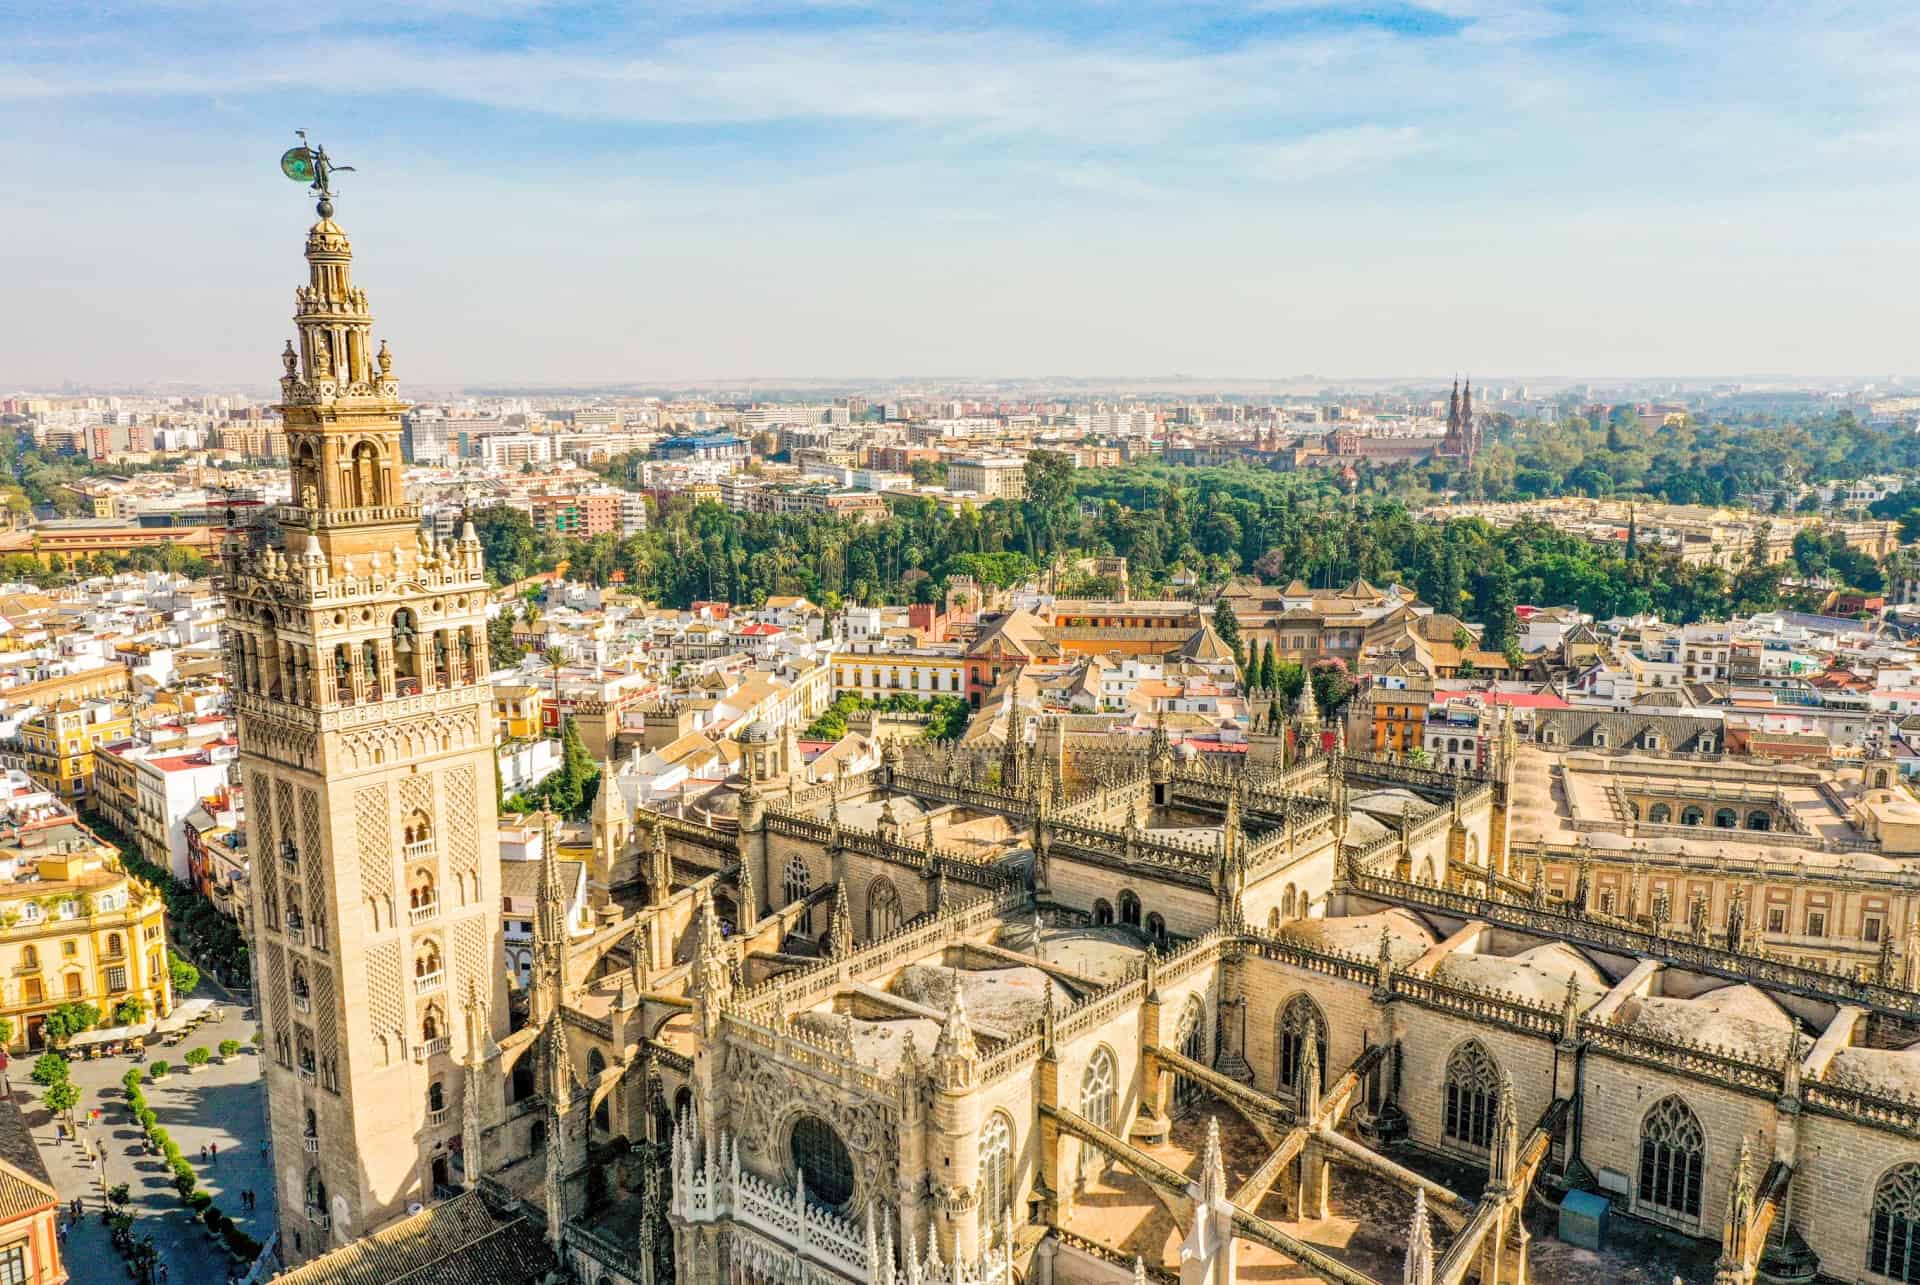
(459, 1242)
(24, 1183)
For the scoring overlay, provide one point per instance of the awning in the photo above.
(112, 1035)
(183, 1016)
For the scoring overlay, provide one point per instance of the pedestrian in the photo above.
(59, 1132)
(216, 1153)
(264, 1148)
(203, 1153)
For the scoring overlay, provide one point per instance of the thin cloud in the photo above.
(1334, 151)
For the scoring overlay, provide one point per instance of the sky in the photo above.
(685, 190)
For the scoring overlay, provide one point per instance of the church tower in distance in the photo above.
(358, 654)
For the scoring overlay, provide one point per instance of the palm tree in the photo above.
(555, 658)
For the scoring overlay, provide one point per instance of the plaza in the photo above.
(221, 1105)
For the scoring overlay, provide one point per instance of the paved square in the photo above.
(219, 1105)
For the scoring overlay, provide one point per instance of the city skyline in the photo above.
(715, 194)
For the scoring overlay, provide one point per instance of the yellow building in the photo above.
(81, 930)
(516, 710)
(60, 742)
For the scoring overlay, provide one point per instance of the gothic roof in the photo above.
(461, 1241)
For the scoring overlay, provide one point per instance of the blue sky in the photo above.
(690, 190)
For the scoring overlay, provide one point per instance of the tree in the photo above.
(129, 1010)
(501, 647)
(228, 1048)
(69, 1020)
(61, 1098)
(50, 1069)
(1227, 625)
(184, 975)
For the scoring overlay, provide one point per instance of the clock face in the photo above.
(297, 164)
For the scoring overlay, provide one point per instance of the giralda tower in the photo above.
(357, 648)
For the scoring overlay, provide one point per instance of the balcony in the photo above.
(307, 1076)
(319, 1220)
(290, 859)
(26, 970)
(437, 1118)
(419, 850)
(310, 1143)
(421, 1052)
(302, 1004)
(297, 934)
(424, 982)
(420, 914)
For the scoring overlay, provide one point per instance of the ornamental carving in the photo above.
(766, 1099)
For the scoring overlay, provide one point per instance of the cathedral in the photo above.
(1055, 1010)
(1462, 440)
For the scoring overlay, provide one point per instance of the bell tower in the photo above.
(357, 650)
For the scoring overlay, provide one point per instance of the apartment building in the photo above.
(991, 477)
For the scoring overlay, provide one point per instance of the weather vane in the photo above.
(311, 165)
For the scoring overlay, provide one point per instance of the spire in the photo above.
(840, 943)
(712, 968)
(659, 864)
(1306, 711)
(1453, 409)
(1504, 1156)
(956, 1058)
(1417, 1267)
(1213, 1169)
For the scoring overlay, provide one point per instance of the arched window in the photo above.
(114, 947)
(996, 1172)
(883, 908)
(1102, 913)
(1893, 1240)
(1194, 1045)
(417, 833)
(1097, 1102)
(29, 957)
(1472, 1096)
(1157, 929)
(1692, 816)
(366, 476)
(1130, 909)
(1726, 819)
(316, 1193)
(73, 986)
(1759, 821)
(822, 1157)
(1300, 1021)
(436, 1096)
(430, 1024)
(602, 1114)
(1660, 814)
(799, 882)
(1273, 920)
(422, 894)
(523, 1084)
(1672, 1159)
(1286, 902)
(426, 963)
(1633, 811)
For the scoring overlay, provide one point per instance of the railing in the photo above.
(319, 1220)
(421, 1052)
(437, 1118)
(302, 1003)
(297, 934)
(306, 1075)
(418, 850)
(310, 1143)
(424, 982)
(420, 914)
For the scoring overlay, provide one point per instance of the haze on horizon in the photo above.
(551, 193)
